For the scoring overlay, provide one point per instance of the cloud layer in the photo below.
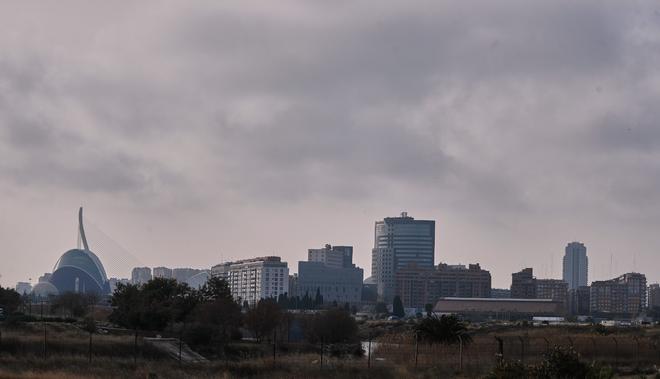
(518, 126)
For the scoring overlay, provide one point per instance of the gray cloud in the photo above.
(488, 113)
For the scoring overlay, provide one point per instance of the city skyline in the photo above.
(402, 216)
(198, 132)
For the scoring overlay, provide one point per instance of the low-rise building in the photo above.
(554, 289)
(523, 284)
(622, 296)
(419, 286)
(500, 293)
(499, 309)
(343, 284)
(330, 272)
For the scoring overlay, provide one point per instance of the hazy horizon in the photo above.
(198, 132)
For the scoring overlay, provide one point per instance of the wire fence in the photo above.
(49, 340)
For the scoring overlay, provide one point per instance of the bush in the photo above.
(562, 362)
(332, 326)
(509, 370)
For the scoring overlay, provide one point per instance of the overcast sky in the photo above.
(197, 131)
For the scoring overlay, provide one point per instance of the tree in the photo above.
(215, 288)
(332, 326)
(318, 299)
(446, 330)
(127, 306)
(262, 319)
(221, 317)
(154, 305)
(381, 308)
(73, 304)
(397, 307)
(10, 300)
(429, 309)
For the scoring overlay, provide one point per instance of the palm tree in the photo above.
(446, 330)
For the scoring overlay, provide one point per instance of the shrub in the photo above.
(509, 370)
(562, 362)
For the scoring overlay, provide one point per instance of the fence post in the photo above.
(616, 351)
(594, 352)
(369, 353)
(460, 353)
(416, 348)
(637, 355)
(45, 342)
(274, 344)
(135, 348)
(500, 345)
(180, 346)
(522, 349)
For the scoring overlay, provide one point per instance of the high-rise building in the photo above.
(576, 265)
(332, 256)
(398, 243)
(654, 296)
(523, 284)
(625, 295)
(254, 279)
(162, 272)
(420, 286)
(140, 275)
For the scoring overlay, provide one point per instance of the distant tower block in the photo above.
(576, 265)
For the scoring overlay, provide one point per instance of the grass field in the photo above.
(66, 355)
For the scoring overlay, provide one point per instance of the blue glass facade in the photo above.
(80, 271)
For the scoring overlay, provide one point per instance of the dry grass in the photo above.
(21, 355)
